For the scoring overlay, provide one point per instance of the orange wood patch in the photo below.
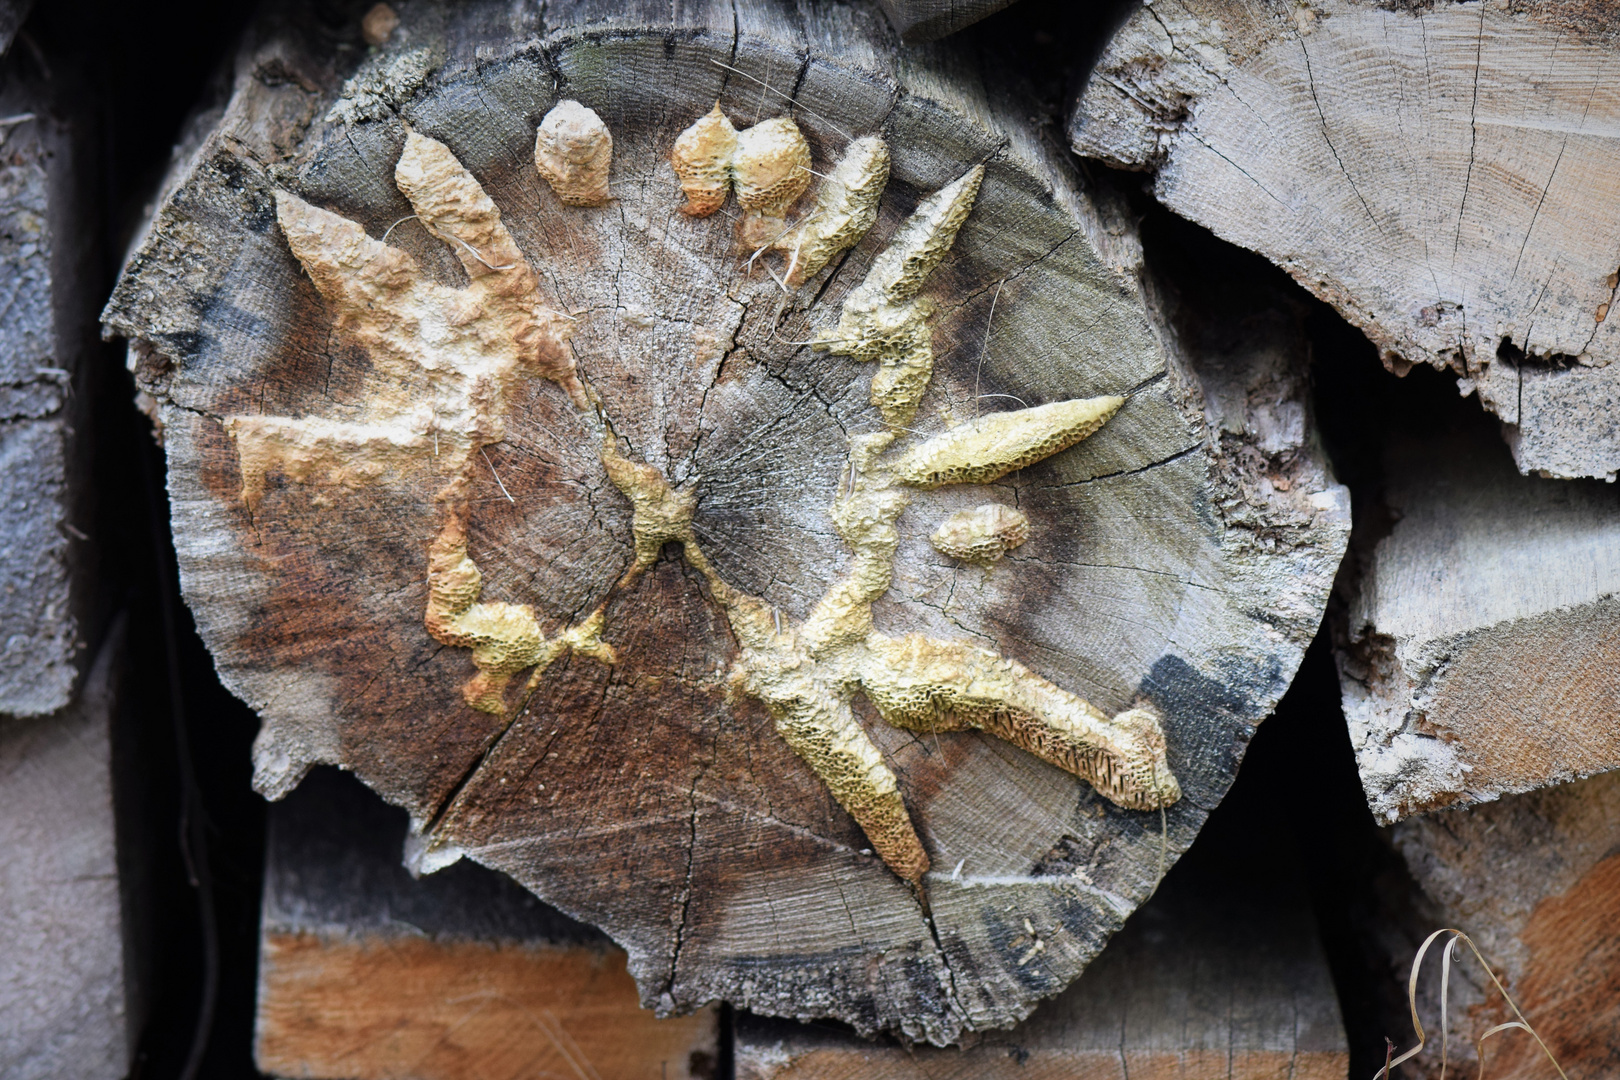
(1570, 990)
(415, 1008)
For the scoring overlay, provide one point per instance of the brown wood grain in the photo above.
(1535, 880)
(424, 1009)
(365, 972)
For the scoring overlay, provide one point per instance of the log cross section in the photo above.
(454, 355)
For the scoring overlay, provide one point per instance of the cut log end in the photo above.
(639, 604)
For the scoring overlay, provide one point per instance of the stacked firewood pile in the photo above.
(799, 540)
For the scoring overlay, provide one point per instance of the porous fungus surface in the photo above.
(573, 152)
(451, 359)
(981, 535)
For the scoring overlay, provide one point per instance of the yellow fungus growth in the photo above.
(884, 321)
(702, 160)
(573, 151)
(982, 535)
(925, 684)
(992, 446)
(504, 638)
(769, 167)
(662, 515)
(447, 362)
(770, 172)
(846, 207)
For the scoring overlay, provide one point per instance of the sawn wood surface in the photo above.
(1178, 559)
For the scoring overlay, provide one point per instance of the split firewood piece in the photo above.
(1442, 175)
(48, 382)
(367, 974)
(604, 550)
(1534, 879)
(67, 978)
(1480, 651)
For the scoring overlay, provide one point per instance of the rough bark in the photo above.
(1477, 651)
(46, 275)
(65, 991)
(1442, 174)
(929, 20)
(1217, 975)
(668, 579)
(365, 973)
(1535, 880)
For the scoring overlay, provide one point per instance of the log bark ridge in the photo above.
(1442, 174)
(601, 626)
(929, 20)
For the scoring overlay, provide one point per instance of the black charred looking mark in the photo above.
(1207, 721)
(1069, 854)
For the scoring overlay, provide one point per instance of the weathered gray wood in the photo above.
(1535, 880)
(1170, 561)
(1441, 174)
(929, 20)
(1221, 974)
(365, 972)
(1478, 652)
(69, 1005)
(45, 282)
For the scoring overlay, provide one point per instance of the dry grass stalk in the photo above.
(1445, 983)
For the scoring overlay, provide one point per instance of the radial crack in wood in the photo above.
(692, 527)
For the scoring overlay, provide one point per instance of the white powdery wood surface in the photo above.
(63, 995)
(1480, 652)
(1443, 174)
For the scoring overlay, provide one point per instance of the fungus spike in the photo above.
(925, 684)
(986, 449)
(846, 207)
